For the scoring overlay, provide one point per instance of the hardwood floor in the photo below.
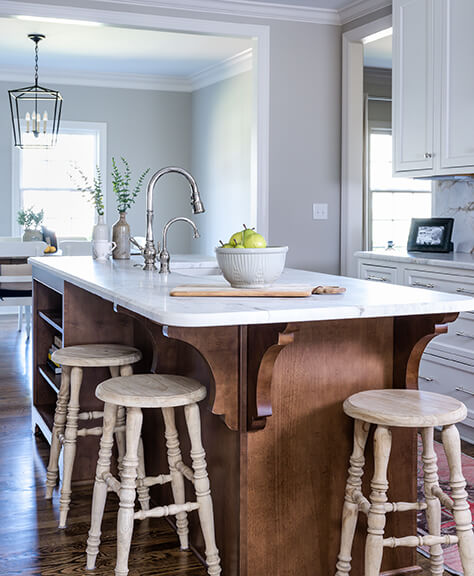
(30, 542)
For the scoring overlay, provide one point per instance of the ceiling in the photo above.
(111, 50)
(378, 54)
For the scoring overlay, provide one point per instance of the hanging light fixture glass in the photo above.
(36, 111)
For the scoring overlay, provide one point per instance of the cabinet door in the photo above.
(413, 85)
(457, 105)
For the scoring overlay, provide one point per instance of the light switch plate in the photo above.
(320, 211)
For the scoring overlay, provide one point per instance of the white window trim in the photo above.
(101, 130)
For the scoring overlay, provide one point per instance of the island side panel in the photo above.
(297, 464)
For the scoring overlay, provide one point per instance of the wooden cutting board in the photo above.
(278, 291)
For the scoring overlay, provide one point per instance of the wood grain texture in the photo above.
(276, 291)
(405, 408)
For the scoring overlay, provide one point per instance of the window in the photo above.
(43, 179)
(392, 202)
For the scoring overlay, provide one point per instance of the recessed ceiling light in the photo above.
(58, 20)
(377, 36)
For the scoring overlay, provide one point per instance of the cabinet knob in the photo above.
(428, 155)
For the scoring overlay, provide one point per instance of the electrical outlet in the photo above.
(320, 211)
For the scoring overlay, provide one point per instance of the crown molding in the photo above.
(100, 80)
(361, 8)
(223, 70)
(217, 73)
(251, 9)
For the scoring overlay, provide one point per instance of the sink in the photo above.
(197, 271)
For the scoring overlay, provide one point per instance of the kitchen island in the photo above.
(277, 372)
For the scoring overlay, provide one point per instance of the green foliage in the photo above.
(91, 190)
(30, 219)
(121, 185)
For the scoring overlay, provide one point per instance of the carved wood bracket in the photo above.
(265, 343)
(411, 336)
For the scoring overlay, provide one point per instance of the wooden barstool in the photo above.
(73, 359)
(152, 391)
(408, 409)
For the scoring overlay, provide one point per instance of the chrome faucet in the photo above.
(164, 254)
(149, 253)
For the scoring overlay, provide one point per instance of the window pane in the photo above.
(52, 167)
(380, 170)
(66, 212)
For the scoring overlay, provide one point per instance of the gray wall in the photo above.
(305, 112)
(151, 129)
(221, 137)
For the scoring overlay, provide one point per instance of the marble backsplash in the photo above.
(456, 200)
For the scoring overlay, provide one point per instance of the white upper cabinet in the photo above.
(433, 87)
(413, 85)
(457, 85)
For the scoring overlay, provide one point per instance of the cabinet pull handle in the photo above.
(428, 155)
(461, 389)
(376, 278)
(426, 378)
(465, 334)
(464, 291)
(421, 285)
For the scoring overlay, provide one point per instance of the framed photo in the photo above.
(430, 235)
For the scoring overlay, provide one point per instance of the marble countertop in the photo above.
(147, 293)
(459, 260)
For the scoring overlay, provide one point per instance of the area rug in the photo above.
(452, 563)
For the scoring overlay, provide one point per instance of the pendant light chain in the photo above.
(36, 62)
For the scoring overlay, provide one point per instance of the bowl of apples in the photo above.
(247, 262)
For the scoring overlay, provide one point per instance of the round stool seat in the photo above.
(95, 355)
(151, 391)
(405, 408)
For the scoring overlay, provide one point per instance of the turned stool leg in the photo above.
(202, 488)
(58, 429)
(99, 495)
(70, 438)
(177, 479)
(433, 510)
(120, 422)
(127, 490)
(461, 511)
(378, 498)
(351, 506)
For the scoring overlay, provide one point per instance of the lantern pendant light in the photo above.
(35, 111)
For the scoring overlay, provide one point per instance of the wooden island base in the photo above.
(276, 437)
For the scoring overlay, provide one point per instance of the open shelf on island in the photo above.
(43, 417)
(53, 318)
(54, 380)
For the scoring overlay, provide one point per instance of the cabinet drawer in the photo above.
(378, 273)
(446, 377)
(452, 283)
(458, 343)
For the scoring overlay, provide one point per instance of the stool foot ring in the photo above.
(414, 541)
(161, 511)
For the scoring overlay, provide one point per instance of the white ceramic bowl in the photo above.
(251, 267)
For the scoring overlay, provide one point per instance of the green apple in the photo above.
(227, 245)
(255, 241)
(237, 245)
(239, 237)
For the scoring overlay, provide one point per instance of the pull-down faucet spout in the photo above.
(150, 251)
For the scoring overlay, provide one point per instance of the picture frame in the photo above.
(430, 235)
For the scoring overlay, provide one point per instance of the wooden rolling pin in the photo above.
(277, 291)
